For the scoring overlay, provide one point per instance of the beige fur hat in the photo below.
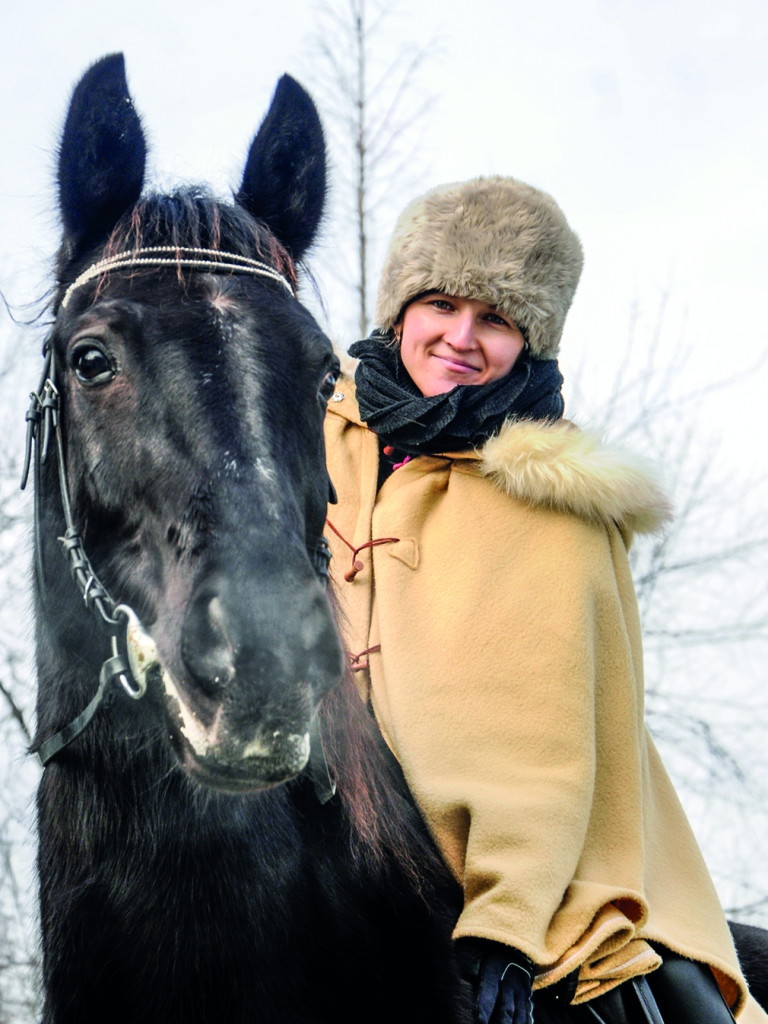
(494, 239)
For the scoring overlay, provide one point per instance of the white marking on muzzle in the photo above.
(258, 748)
(144, 661)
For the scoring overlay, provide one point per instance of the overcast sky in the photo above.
(646, 119)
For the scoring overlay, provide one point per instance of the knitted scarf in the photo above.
(394, 408)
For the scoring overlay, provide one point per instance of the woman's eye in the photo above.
(92, 365)
(499, 321)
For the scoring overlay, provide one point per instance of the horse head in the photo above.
(190, 391)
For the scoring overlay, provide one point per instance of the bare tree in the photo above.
(18, 772)
(369, 93)
(702, 597)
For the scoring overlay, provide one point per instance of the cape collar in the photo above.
(557, 465)
(562, 467)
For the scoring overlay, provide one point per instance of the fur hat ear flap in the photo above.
(493, 239)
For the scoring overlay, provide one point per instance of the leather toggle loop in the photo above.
(357, 565)
(356, 663)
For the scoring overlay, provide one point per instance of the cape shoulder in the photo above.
(560, 466)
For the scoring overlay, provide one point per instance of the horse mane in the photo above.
(383, 819)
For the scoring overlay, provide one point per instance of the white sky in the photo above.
(646, 119)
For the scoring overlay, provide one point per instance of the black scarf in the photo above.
(394, 408)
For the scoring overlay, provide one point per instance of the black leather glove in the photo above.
(501, 979)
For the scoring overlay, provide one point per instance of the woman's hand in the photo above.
(501, 979)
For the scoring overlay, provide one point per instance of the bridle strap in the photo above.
(34, 419)
(43, 421)
(112, 667)
(317, 768)
(169, 255)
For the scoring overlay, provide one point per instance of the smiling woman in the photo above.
(446, 340)
(491, 619)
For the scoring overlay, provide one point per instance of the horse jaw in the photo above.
(209, 753)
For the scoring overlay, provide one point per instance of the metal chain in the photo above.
(43, 420)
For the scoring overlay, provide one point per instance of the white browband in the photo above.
(169, 255)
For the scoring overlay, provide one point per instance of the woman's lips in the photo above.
(456, 365)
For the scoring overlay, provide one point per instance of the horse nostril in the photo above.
(247, 637)
(207, 649)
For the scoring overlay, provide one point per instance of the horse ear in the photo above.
(102, 155)
(284, 182)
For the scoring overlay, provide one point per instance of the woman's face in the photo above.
(448, 341)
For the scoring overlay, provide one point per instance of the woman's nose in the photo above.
(460, 334)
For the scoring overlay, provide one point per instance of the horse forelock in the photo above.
(187, 218)
(193, 218)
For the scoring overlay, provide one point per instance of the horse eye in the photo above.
(328, 385)
(92, 365)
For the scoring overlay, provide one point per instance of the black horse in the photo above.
(187, 652)
(179, 456)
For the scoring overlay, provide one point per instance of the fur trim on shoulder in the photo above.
(562, 467)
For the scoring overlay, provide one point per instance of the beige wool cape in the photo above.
(494, 628)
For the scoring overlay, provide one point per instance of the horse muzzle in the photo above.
(232, 742)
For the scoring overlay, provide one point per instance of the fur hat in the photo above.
(494, 239)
